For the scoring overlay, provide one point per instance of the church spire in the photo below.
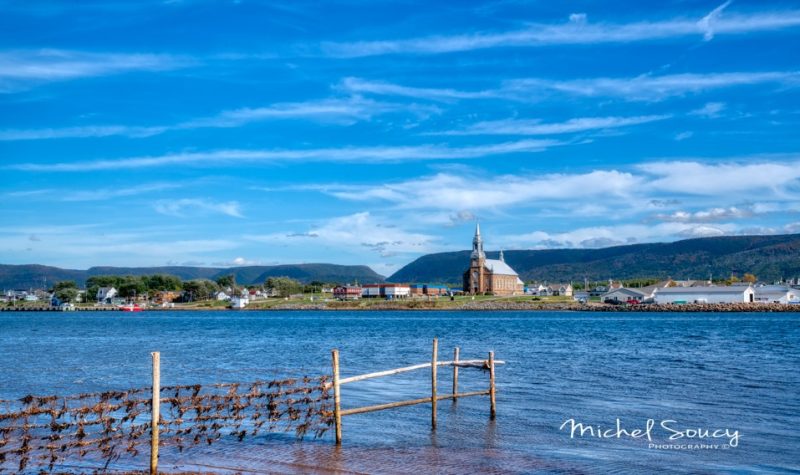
(477, 244)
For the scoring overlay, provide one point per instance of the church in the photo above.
(490, 276)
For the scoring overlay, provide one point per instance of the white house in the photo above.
(623, 294)
(106, 294)
(222, 296)
(734, 294)
(240, 301)
(537, 290)
(564, 290)
(776, 294)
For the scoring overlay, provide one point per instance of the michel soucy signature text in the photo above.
(671, 427)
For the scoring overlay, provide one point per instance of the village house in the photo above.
(347, 292)
(562, 290)
(490, 276)
(105, 294)
(623, 295)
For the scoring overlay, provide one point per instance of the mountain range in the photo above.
(768, 257)
(37, 276)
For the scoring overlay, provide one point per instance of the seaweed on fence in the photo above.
(45, 431)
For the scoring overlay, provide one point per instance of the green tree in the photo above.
(227, 281)
(199, 289)
(283, 286)
(159, 282)
(66, 291)
(132, 286)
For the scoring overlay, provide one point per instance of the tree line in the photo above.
(130, 286)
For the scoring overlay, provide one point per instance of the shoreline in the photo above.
(491, 306)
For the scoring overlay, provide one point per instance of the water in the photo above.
(710, 371)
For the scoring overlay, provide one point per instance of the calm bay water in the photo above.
(739, 372)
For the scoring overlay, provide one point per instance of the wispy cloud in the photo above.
(628, 190)
(706, 216)
(344, 154)
(21, 69)
(338, 111)
(711, 110)
(639, 88)
(110, 193)
(612, 235)
(369, 232)
(535, 127)
(448, 191)
(358, 85)
(651, 88)
(578, 30)
(188, 207)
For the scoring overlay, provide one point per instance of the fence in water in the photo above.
(42, 433)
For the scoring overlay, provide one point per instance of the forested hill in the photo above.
(35, 276)
(768, 257)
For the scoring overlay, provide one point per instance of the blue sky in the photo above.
(253, 132)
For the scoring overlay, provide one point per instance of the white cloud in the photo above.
(702, 231)
(681, 136)
(361, 230)
(338, 111)
(578, 30)
(70, 245)
(188, 206)
(710, 110)
(647, 87)
(604, 236)
(447, 191)
(704, 216)
(109, 193)
(344, 154)
(708, 22)
(20, 69)
(357, 85)
(733, 178)
(535, 127)
(238, 262)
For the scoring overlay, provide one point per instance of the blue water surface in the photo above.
(739, 372)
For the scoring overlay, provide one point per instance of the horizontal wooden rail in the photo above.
(410, 402)
(461, 364)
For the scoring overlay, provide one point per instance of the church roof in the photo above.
(499, 267)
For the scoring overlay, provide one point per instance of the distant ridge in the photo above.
(768, 257)
(34, 275)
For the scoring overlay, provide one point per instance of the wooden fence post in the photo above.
(337, 398)
(433, 382)
(455, 374)
(156, 412)
(492, 412)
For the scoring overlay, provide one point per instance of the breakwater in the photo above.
(538, 306)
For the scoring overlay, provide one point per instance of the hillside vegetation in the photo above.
(35, 276)
(768, 257)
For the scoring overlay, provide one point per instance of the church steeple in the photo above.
(477, 244)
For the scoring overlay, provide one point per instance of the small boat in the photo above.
(131, 307)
